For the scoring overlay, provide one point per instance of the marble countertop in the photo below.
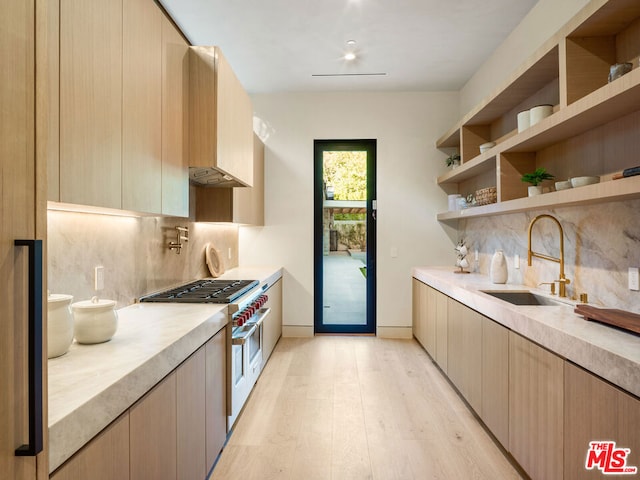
(606, 351)
(91, 385)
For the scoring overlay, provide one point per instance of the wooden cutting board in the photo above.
(618, 318)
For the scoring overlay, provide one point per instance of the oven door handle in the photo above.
(263, 313)
(241, 340)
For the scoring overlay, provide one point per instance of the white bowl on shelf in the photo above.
(582, 181)
(563, 185)
(486, 146)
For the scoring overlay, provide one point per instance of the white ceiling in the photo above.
(421, 45)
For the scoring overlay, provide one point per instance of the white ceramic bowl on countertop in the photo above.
(59, 324)
(582, 181)
(95, 320)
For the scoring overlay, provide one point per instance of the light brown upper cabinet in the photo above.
(220, 117)
(243, 205)
(141, 107)
(175, 121)
(91, 103)
(123, 83)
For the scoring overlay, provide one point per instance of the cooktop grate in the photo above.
(203, 291)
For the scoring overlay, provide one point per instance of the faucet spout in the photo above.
(562, 281)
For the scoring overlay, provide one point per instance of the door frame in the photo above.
(320, 146)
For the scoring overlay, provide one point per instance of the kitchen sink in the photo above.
(524, 297)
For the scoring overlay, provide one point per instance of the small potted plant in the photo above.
(535, 179)
(453, 160)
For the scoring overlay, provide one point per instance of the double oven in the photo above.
(245, 301)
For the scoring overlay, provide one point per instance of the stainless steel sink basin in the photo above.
(524, 297)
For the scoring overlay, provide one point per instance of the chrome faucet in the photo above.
(562, 281)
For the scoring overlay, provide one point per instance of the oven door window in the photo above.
(238, 364)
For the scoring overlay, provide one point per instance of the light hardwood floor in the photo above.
(355, 408)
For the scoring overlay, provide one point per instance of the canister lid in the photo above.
(94, 303)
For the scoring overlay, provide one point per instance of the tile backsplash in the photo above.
(601, 242)
(133, 251)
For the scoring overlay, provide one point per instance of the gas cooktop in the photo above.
(204, 291)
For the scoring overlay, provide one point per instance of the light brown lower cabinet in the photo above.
(216, 396)
(596, 411)
(495, 379)
(104, 458)
(272, 329)
(191, 461)
(536, 384)
(464, 352)
(174, 432)
(419, 312)
(153, 433)
(442, 303)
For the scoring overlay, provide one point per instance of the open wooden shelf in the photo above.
(611, 191)
(594, 129)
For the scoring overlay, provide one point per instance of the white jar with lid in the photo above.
(59, 324)
(499, 268)
(95, 320)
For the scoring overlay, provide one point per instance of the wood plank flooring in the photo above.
(357, 408)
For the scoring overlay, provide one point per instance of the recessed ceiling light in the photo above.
(351, 42)
(349, 56)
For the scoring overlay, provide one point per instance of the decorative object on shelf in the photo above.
(618, 70)
(563, 185)
(453, 201)
(523, 120)
(535, 179)
(60, 324)
(486, 146)
(453, 160)
(461, 261)
(582, 181)
(485, 196)
(499, 271)
(538, 113)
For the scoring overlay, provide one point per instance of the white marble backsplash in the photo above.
(133, 252)
(600, 241)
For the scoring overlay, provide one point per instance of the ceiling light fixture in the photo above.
(349, 56)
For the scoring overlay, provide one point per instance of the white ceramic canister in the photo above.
(95, 321)
(499, 268)
(523, 120)
(59, 324)
(538, 113)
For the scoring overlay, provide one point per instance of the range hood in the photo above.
(211, 177)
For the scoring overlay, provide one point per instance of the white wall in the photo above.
(406, 126)
(540, 24)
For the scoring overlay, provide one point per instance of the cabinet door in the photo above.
(442, 318)
(272, 330)
(597, 411)
(91, 102)
(495, 379)
(191, 462)
(216, 395)
(21, 217)
(175, 120)
(106, 457)
(430, 318)
(464, 355)
(535, 408)
(141, 106)
(153, 433)
(235, 124)
(419, 310)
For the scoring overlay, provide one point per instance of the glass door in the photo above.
(344, 236)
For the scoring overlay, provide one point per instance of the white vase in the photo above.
(499, 268)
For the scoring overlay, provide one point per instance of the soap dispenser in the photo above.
(499, 268)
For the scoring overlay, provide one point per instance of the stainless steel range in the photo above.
(245, 300)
